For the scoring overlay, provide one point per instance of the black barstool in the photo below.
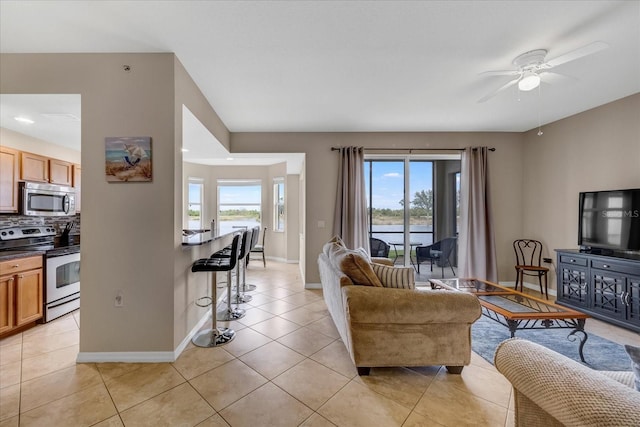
(215, 336)
(239, 298)
(255, 234)
(231, 313)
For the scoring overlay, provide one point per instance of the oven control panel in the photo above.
(25, 231)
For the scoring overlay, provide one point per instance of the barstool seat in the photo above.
(215, 336)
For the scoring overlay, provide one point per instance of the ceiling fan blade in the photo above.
(500, 89)
(575, 54)
(500, 73)
(553, 77)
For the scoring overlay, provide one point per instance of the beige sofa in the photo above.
(552, 390)
(383, 326)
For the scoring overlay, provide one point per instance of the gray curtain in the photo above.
(350, 220)
(477, 251)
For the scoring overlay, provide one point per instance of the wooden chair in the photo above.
(528, 259)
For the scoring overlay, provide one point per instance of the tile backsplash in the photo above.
(58, 222)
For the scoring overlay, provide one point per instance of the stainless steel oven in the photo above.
(62, 264)
(47, 199)
(62, 294)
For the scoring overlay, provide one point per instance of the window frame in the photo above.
(199, 182)
(279, 195)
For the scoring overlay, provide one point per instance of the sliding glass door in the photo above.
(411, 199)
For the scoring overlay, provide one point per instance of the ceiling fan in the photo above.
(532, 67)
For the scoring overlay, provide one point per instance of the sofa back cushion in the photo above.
(395, 277)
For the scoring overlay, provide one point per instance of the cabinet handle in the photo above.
(21, 276)
(605, 266)
(627, 298)
(622, 298)
(573, 260)
(11, 279)
(15, 265)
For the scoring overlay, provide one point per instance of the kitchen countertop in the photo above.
(202, 237)
(9, 255)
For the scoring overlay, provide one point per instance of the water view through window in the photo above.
(239, 205)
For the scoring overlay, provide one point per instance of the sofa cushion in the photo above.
(395, 277)
(354, 264)
(634, 354)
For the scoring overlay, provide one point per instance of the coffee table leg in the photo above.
(513, 327)
(572, 337)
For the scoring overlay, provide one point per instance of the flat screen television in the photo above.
(609, 220)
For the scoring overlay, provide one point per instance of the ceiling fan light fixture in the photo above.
(529, 82)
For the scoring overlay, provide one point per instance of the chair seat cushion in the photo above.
(531, 268)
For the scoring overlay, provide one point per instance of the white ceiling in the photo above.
(355, 65)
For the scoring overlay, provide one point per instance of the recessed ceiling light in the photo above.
(24, 120)
(229, 158)
(184, 150)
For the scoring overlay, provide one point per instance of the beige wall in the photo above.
(23, 142)
(131, 232)
(595, 150)
(321, 173)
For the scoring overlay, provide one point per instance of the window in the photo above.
(278, 204)
(239, 205)
(194, 204)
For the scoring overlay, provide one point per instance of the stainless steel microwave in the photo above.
(47, 199)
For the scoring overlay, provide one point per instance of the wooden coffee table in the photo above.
(518, 311)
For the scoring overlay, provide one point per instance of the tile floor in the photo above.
(286, 367)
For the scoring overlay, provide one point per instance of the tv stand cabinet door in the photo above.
(608, 291)
(573, 276)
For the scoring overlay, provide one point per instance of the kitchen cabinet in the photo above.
(60, 172)
(9, 175)
(34, 167)
(605, 287)
(21, 293)
(77, 184)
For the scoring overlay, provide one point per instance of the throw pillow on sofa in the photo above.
(354, 264)
(395, 277)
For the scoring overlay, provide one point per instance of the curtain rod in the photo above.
(411, 149)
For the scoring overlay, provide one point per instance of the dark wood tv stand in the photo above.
(606, 287)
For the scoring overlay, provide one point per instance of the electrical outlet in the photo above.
(119, 301)
(547, 260)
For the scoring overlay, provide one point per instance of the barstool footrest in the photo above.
(208, 299)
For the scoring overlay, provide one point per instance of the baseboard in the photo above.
(532, 286)
(126, 357)
(291, 261)
(313, 285)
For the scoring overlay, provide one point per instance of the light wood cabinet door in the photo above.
(28, 296)
(77, 184)
(34, 167)
(9, 175)
(6, 304)
(60, 172)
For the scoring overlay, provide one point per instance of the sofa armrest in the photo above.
(562, 389)
(381, 260)
(366, 304)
